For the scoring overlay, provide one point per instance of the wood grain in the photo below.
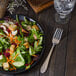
(71, 47)
(38, 2)
(63, 61)
(71, 55)
(39, 8)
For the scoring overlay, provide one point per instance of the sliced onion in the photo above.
(28, 27)
(6, 24)
(7, 18)
(14, 44)
(35, 37)
(14, 32)
(17, 24)
(27, 64)
(6, 54)
(2, 26)
(8, 30)
(26, 34)
(7, 49)
(0, 53)
(4, 29)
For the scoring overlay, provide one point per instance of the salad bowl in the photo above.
(20, 18)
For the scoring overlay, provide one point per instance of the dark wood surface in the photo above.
(63, 59)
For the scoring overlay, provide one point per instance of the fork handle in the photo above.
(46, 62)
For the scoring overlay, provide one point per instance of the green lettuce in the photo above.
(19, 60)
(2, 61)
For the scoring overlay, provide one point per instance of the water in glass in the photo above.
(64, 7)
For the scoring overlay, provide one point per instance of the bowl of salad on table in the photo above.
(21, 43)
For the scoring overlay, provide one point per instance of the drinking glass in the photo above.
(63, 8)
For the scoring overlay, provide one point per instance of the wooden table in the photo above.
(63, 60)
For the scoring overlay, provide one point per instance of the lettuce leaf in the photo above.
(4, 42)
(31, 50)
(1, 47)
(2, 61)
(19, 60)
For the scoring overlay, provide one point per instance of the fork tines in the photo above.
(58, 33)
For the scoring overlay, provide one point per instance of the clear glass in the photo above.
(63, 8)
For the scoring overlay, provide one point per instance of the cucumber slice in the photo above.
(2, 61)
(18, 64)
(19, 61)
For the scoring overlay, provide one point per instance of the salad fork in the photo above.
(56, 39)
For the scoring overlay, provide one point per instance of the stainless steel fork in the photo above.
(56, 39)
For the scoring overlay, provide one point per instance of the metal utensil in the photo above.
(56, 39)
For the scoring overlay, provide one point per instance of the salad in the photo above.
(20, 43)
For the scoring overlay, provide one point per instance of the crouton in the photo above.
(12, 49)
(26, 45)
(35, 26)
(6, 66)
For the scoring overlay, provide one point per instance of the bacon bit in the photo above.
(24, 31)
